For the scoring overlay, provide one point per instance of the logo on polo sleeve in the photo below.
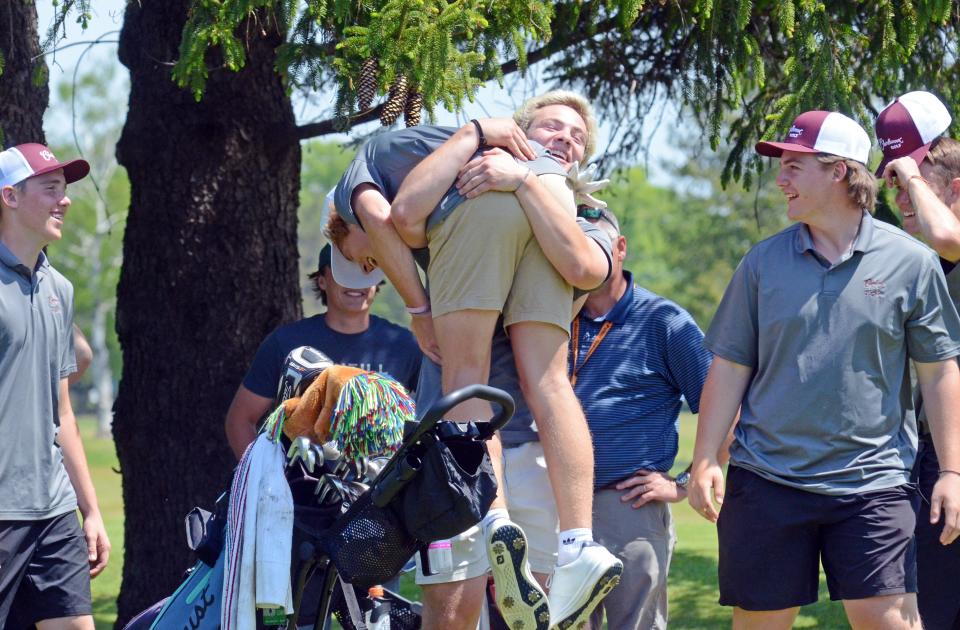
(874, 288)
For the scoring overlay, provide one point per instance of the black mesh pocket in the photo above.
(368, 544)
(403, 614)
(452, 492)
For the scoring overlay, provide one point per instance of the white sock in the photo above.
(571, 540)
(493, 515)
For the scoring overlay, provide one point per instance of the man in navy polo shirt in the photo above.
(633, 355)
(346, 332)
(46, 557)
(925, 167)
(812, 340)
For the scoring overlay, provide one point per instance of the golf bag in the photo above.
(356, 524)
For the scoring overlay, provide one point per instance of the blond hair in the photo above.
(524, 115)
(944, 159)
(861, 183)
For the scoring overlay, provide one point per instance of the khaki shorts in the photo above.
(531, 506)
(484, 256)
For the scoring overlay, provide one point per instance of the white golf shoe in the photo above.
(522, 603)
(577, 587)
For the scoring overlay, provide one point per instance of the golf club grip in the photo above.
(483, 392)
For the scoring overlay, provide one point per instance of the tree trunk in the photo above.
(24, 93)
(209, 268)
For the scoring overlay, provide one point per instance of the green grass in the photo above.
(102, 458)
(693, 574)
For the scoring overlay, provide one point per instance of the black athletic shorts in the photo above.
(774, 537)
(44, 573)
(938, 566)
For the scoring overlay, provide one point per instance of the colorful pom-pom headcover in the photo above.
(362, 412)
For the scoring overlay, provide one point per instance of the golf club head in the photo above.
(301, 366)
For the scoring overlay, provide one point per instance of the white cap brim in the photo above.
(349, 274)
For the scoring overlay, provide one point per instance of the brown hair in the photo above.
(861, 183)
(524, 115)
(336, 229)
(944, 158)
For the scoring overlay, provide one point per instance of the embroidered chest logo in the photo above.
(54, 303)
(874, 288)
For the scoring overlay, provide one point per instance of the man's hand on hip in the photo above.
(651, 485)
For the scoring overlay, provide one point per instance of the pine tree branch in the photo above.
(580, 33)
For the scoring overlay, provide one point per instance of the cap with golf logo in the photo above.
(29, 160)
(347, 273)
(908, 126)
(822, 132)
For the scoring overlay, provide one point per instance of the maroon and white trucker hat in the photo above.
(29, 160)
(908, 126)
(822, 132)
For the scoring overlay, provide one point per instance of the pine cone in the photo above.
(411, 111)
(395, 101)
(367, 85)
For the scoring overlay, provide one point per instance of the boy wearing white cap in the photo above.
(812, 341)
(46, 557)
(925, 166)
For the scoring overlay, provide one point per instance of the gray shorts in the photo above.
(45, 573)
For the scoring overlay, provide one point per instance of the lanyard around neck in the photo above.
(575, 336)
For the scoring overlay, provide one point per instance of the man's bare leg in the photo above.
(585, 571)
(453, 605)
(540, 351)
(764, 619)
(884, 612)
(465, 339)
(84, 622)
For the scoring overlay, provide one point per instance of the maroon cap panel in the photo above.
(897, 134)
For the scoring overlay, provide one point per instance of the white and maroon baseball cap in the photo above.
(29, 160)
(822, 132)
(908, 126)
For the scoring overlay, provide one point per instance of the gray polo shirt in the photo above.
(828, 408)
(386, 159)
(36, 351)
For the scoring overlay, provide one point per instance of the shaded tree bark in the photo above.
(210, 267)
(24, 93)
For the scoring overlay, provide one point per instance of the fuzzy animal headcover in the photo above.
(363, 412)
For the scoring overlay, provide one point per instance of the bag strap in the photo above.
(353, 606)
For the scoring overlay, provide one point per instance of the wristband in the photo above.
(481, 139)
(920, 177)
(419, 310)
(945, 470)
